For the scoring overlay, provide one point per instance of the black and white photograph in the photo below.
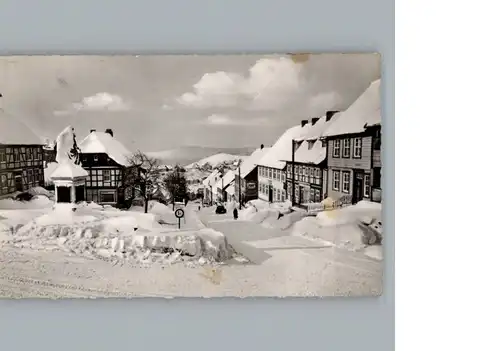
(191, 176)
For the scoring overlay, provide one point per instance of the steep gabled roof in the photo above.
(250, 162)
(15, 132)
(282, 147)
(364, 112)
(101, 142)
(317, 153)
(212, 178)
(226, 180)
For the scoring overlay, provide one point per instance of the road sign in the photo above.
(179, 213)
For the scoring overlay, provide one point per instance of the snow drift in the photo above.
(353, 228)
(95, 231)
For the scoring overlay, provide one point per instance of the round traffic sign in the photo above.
(179, 213)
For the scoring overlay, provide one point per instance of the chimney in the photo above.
(92, 130)
(261, 146)
(329, 115)
(109, 131)
(314, 120)
(303, 122)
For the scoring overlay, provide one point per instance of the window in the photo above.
(346, 181)
(336, 148)
(16, 155)
(274, 174)
(266, 189)
(357, 148)
(107, 197)
(96, 158)
(106, 175)
(336, 180)
(366, 191)
(29, 153)
(346, 148)
(3, 158)
(30, 175)
(376, 177)
(377, 139)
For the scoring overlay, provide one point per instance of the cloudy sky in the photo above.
(155, 103)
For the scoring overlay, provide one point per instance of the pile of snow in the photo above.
(37, 202)
(95, 231)
(38, 190)
(162, 213)
(353, 228)
(275, 215)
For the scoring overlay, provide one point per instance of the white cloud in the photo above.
(101, 102)
(166, 107)
(225, 120)
(325, 101)
(270, 83)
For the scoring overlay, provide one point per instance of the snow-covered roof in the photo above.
(15, 132)
(68, 169)
(212, 178)
(101, 142)
(364, 112)
(250, 162)
(317, 153)
(225, 180)
(282, 147)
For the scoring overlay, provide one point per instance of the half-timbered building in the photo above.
(353, 150)
(306, 168)
(21, 156)
(107, 162)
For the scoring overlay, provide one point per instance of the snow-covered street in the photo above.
(269, 262)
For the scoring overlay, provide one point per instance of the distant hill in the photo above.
(188, 155)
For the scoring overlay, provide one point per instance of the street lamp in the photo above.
(238, 164)
(293, 172)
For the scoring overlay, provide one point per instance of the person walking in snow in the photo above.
(235, 213)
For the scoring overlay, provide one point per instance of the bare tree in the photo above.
(175, 183)
(144, 175)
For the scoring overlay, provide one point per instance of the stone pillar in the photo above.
(73, 194)
(55, 188)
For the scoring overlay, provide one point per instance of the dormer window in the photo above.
(310, 144)
(96, 158)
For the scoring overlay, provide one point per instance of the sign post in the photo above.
(179, 213)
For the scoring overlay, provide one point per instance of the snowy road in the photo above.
(282, 265)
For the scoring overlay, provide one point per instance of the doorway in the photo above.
(357, 191)
(19, 182)
(270, 193)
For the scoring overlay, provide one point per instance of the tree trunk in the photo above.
(146, 202)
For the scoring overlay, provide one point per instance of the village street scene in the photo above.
(191, 176)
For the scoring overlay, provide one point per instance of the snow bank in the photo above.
(118, 235)
(38, 190)
(38, 201)
(276, 215)
(354, 228)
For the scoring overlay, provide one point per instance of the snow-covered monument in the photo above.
(68, 177)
